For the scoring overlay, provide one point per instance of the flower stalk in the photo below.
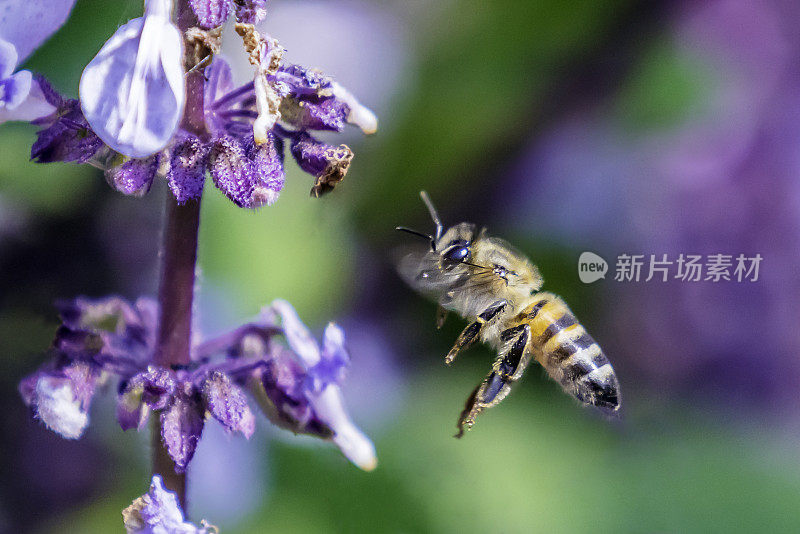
(177, 272)
(175, 296)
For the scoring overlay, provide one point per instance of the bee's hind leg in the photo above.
(468, 336)
(441, 317)
(507, 369)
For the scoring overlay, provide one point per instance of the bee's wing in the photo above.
(421, 271)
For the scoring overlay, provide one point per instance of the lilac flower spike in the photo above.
(324, 368)
(158, 512)
(132, 92)
(110, 339)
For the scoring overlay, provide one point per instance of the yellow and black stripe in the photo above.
(569, 354)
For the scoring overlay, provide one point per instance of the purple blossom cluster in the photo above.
(128, 120)
(111, 341)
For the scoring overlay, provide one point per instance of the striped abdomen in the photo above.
(569, 354)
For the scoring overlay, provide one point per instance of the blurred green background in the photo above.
(490, 111)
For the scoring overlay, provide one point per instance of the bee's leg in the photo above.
(441, 317)
(466, 338)
(470, 333)
(507, 369)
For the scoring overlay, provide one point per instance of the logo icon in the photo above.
(591, 267)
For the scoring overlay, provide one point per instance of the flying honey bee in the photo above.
(484, 279)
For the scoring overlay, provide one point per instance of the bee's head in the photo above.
(455, 244)
(461, 245)
(452, 244)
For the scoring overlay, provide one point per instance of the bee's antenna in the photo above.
(435, 216)
(415, 232)
(420, 234)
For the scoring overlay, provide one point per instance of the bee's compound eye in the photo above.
(457, 253)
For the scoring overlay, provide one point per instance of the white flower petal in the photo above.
(35, 106)
(158, 512)
(353, 443)
(360, 115)
(58, 408)
(297, 335)
(132, 92)
(333, 338)
(267, 104)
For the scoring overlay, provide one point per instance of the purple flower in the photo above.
(14, 88)
(316, 381)
(187, 168)
(250, 11)
(315, 113)
(134, 176)
(214, 13)
(158, 512)
(310, 103)
(182, 425)
(106, 335)
(268, 173)
(183, 398)
(96, 337)
(66, 135)
(266, 55)
(298, 386)
(132, 412)
(132, 92)
(315, 101)
(152, 389)
(251, 175)
(24, 26)
(227, 403)
(211, 13)
(132, 96)
(281, 389)
(21, 98)
(113, 332)
(231, 169)
(328, 163)
(219, 98)
(60, 397)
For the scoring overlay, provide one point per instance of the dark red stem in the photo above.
(177, 272)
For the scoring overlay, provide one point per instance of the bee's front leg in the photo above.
(470, 333)
(507, 369)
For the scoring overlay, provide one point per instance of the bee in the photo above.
(485, 280)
